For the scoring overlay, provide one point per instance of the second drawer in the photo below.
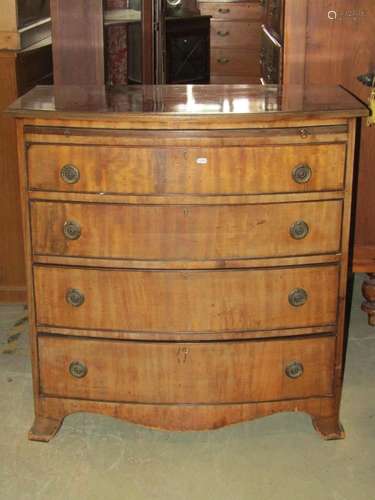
(191, 232)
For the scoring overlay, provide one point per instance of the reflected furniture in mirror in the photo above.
(25, 60)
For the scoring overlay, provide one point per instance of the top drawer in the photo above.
(186, 170)
(233, 10)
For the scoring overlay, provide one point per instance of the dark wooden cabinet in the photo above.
(187, 49)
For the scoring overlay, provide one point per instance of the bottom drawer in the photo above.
(203, 372)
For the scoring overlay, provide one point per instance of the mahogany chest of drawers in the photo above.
(187, 252)
(235, 40)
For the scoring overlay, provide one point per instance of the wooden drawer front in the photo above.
(226, 170)
(214, 372)
(234, 62)
(185, 232)
(235, 34)
(185, 301)
(229, 11)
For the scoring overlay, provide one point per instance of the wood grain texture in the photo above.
(180, 417)
(78, 42)
(177, 170)
(8, 18)
(295, 32)
(12, 273)
(205, 345)
(186, 373)
(185, 232)
(186, 301)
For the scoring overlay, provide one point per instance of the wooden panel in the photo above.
(186, 170)
(348, 44)
(78, 43)
(235, 34)
(8, 17)
(9, 40)
(186, 372)
(191, 301)
(234, 61)
(12, 273)
(229, 11)
(295, 25)
(185, 232)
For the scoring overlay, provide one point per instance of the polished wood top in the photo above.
(252, 101)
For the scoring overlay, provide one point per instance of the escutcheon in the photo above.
(294, 370)
(72, 230)
(299, 230)
(70, 174)
(302, 173)
(74, 297)
(77, 369)
(298, 297)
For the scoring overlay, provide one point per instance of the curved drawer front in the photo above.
(204, 372)
(220, 170)
(186, 301)
(153, 232)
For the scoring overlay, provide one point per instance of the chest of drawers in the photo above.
(187, 269)
(235, 40)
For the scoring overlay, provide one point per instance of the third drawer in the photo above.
(186, 301)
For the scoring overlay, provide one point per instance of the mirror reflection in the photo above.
(192, 41)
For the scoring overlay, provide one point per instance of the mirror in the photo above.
(192, 41)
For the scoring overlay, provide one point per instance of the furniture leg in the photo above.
(368, 291)
(329, 428)
(44, 428)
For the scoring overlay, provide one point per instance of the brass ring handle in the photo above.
(71, 230)
(224, 11)
(223, 33)
(74, 297)
(70, 174)
(304, 133)
(223, 60)
(77, 369)
(299, 230)
(297, 297)
(302, 173)
(294, 370)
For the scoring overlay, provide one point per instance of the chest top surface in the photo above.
(188, 103)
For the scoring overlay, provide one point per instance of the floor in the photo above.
(275, 458)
